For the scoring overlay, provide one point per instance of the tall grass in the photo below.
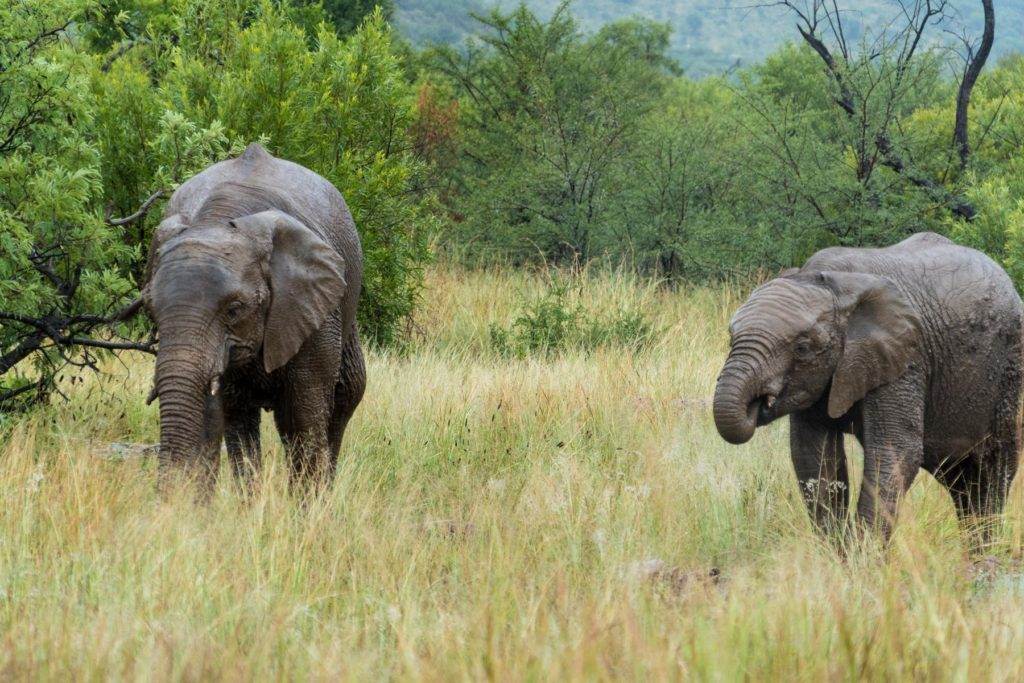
(567, 516)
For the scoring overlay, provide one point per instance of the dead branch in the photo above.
(975, 63)
(140, 214)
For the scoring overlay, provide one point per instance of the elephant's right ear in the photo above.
(169, 228)
(882, 335)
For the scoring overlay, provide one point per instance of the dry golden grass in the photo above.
(556, 518)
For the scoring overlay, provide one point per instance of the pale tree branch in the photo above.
(140, 214)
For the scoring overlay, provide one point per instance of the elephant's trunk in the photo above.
(191, 423)
(736, 403)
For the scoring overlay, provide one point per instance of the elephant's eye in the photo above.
(803, 347)
(234, 311)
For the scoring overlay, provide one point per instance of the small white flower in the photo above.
(645, 569)
(641, 491)
(34, 481)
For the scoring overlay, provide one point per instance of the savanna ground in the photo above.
(565, 517)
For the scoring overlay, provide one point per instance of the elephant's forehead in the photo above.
(203, 242)
(782, 300)
(205, 268)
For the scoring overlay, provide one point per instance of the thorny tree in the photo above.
(874, 83)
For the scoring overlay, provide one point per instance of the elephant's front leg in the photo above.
(242, 438)
(820, 464)
(306, 403)
(893, 440)
(302, 423)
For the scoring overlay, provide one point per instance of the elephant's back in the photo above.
(257, 180)
(297, 188)
(940, 277)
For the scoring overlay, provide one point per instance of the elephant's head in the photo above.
(808, 333)
(225, 293)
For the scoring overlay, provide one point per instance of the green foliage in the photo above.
(109, 23)
(57, 256)
(546, 116)
(816, 175)
(346, 15)
(572, 148)
(678, 192)
(558, 321)
(999, 168)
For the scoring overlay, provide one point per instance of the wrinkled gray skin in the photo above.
(254, 279)
(915, 349)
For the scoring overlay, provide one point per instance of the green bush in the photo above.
(59, 260)
(556, 321)
(547, 117)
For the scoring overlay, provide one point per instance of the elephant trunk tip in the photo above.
(734, 437)
(736, 413)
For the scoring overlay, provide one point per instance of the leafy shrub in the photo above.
(546, 116)
(59, 260)
(556, 321)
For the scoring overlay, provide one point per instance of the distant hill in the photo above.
(709, 36)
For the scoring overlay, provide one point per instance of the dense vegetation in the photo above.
(708, 36)
(536, 143)
(571, 148)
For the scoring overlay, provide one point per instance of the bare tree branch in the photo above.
(958, 205)
(918, 15)
(976, 62)
(845, 99)
(140, 214)
(23, 350)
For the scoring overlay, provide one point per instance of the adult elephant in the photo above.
(915, 349)
(253, 282)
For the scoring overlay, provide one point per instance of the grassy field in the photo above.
(566, 517)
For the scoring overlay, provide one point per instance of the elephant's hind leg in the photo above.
(347, 393)
(980, 483)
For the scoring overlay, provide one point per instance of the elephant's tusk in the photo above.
(770, 401)
(215, 386)
(152, 395)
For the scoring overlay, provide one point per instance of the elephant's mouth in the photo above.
(765, 407)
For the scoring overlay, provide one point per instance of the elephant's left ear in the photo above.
(307, 282)
(882, 336)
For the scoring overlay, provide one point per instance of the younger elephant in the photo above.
(254, 278)
(915, 349)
